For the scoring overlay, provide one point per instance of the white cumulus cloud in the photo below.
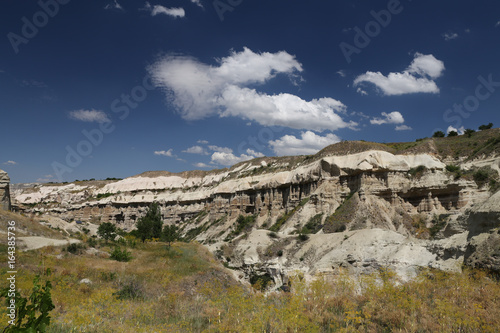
(158, 9)
(460, 130)
(417, 78)
(168, 153)
(198, 90)
(394, 117)
(308, 143)
(10, 163)
(89, 116)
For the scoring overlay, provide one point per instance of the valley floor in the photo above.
(184, 289)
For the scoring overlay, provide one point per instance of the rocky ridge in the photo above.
(359, 211)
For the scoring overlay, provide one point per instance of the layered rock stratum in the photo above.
(362, 209)
(4, 190)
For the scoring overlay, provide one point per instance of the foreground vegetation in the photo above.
(184, 289)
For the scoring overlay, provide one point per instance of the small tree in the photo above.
(485, 127)
(469, 132)
(107, 231)
(453, 133)
(150, 225)
(170, 234)
(438, 134)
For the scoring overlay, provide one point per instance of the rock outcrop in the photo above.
(4, 190)
(360, 211)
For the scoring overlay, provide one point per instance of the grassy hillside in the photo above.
(184, 289)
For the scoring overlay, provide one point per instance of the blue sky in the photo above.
(96, 89)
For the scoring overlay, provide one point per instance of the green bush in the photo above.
(313, 225)
(418, 171)
(130, 290)
(272, 235)
(120, 255)
(303, 237)
(243, 223)
(283, 218)
(438, 134)
(75, 248)
(452, 168)
(92, 242)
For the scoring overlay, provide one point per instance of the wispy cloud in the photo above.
(388, 118)
(89, 116)
(46, 178)
(497, 24)
(158, 9)
(198, 3)
(341, 73)
(199, 90)
(113, 5)
(10, 163)
(168, 153)
(33, 83)
(196, 150)
(403, 128)
(417, 78)
(361, 92)
(220, 149)
(450, 36)
(308, 143)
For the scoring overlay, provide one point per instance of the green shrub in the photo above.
(438, 134)
(272, 235)
(92, 242)
(452, 168)
(130, 290)
(303, 237)
(243, 223)
(120, 255)
(418, 171)
(75, 248)
(283, 218)
(313, 225)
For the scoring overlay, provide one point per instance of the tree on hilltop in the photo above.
(485, 127)
(438, 134)
(469, 132)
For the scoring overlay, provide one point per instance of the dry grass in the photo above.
(26, 226)
(186, 290)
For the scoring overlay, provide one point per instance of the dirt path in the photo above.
(36, 242)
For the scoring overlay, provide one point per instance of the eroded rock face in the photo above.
(4, 190)
(370, 210)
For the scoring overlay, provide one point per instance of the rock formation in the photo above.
(4, 190)
(360, 211)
